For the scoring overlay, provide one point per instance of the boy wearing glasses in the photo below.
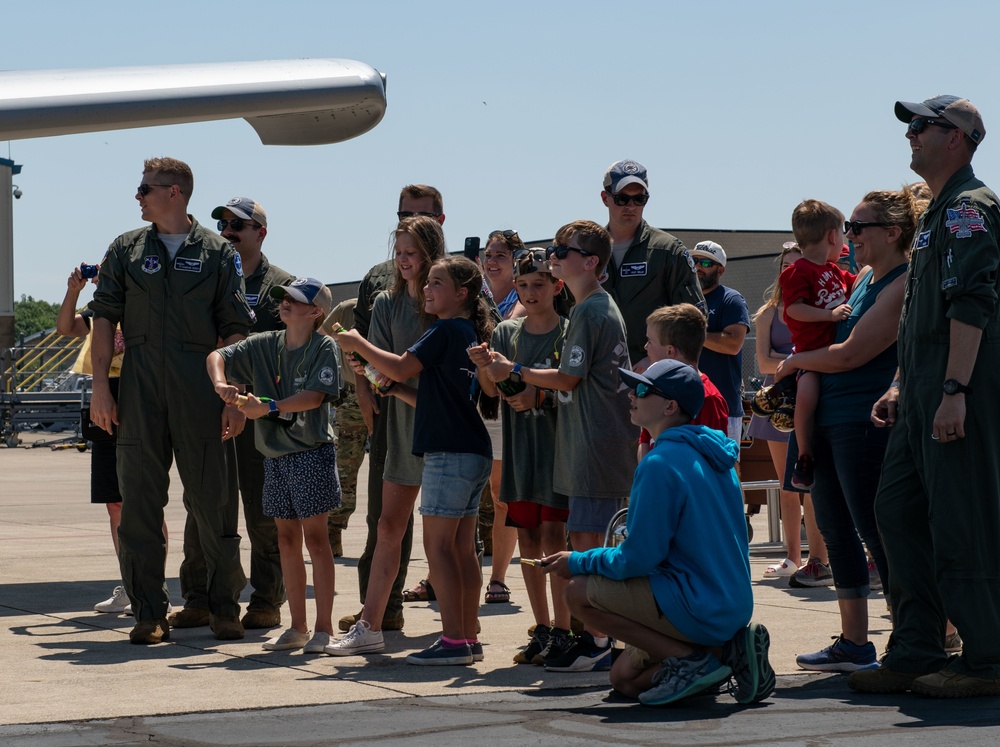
(595, 442)
(684, 613)
(243, 223)
(814, 290)
(648, 268)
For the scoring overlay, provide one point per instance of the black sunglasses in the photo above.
(919, 124)
(144, 189)
(857, 226)
(237, 224)
(561, 252)
(623, 200)
(644, 390)
(409, 214)
(508, 234)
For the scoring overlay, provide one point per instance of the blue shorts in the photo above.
(452, 484)
(297, 486)
(592, 514)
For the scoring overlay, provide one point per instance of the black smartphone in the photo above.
(471, 250)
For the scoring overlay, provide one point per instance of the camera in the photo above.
(88, 271)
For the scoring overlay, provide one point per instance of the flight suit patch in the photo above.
(922, 241)
(633, 270)
(963, 221)
(187, 265)
(151, 265)
(252, 298)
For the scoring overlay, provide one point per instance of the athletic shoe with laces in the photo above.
(583, 656)
(560, 641)
(117, 603)
(441, 655)
(477, 651)
(811, 575)
(953, 643)
(746, 656)
(802, 475)
(317, 644)
(841, 656)
(289, 640)
(682, 677)
(360, 639)
(538, 642)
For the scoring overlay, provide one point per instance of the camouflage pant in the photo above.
(352, 434)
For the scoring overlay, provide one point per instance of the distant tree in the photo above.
(32, 316)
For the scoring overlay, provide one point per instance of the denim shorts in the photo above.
(592, 514)
(452, 484)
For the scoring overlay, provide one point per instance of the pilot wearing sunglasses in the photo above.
(649, 268)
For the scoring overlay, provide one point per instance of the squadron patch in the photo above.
(151, 264)
(963, 221)
(922, 241)
(238, 264)
(326, 376)
(690, 261)
(576, 356)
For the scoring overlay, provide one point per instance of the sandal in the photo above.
(492, 597)
(422, 592)
(780, 570)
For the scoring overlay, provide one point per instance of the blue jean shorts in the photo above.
(452, 484)
(592, 514)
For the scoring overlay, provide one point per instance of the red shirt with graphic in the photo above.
(714, 412)
(821, 286)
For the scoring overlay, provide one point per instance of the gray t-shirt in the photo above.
(529, 437)
(596, 441)
(395, 326)
(262, 361)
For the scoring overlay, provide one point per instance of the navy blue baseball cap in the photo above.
(306, 290)
(622, 173)
(671, 380)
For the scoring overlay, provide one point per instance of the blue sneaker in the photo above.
(746, 655)
(477, 651)
(681, 678)
(842, 656)
(440, 655)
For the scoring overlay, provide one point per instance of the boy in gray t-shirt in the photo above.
(595, 440)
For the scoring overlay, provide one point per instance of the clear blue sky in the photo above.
(513, 110)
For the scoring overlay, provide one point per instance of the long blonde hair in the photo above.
(772, 296)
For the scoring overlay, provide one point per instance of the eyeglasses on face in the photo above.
(706, 263)
(644, 390)
(561, 252)
(623, 200)
(144, 189)
(237, 224)
(857, 226)
(919, 124)
(402, 214)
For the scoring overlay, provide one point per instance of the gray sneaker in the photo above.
(681, 678)
(812, 574)
(360, 639)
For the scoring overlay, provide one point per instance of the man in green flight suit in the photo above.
(938, 504)
(243, 223)
(177, 289)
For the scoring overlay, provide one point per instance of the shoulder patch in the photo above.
(238, 264)
(577, 356)
(326, 376)
(690, 261)
(964, 220)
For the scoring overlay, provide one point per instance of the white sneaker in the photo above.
(117, 603)
(360, 639)
(317, 644)
(290, 640)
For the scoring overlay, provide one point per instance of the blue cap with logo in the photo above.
(306, 290)
(671, 380)
(622, 173)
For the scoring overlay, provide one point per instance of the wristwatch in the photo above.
(272, 407)
(951, 386)
(515, 374)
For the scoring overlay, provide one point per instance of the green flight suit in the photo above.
(938, 504)
(245, 480)
(172, 313)
(656, 271)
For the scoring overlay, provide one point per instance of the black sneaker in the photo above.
(583, 656)
(746, 655)
(802, 475)
(560, 641)
(539, 641)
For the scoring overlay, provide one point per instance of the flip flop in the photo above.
(422, 592)
(493, 597)
(780, 570)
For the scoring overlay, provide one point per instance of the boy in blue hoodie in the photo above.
(682, 611)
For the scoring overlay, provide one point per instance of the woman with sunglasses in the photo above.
(857, 369)
(498, 268)
(773, 345)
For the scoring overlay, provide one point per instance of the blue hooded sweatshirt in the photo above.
(686, 531)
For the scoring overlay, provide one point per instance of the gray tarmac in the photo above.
(69, 677)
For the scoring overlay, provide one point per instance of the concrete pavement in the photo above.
(70, 677)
